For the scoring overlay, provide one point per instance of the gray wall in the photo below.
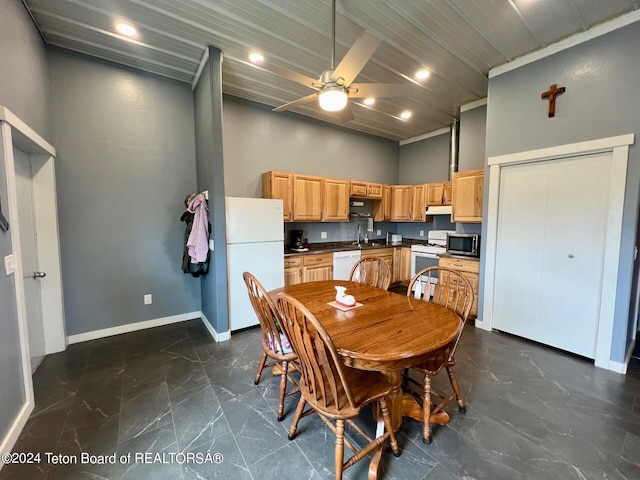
(207, 99)
(24, 90)
(602, 100)
(473, 134)
(257, 140)
(125, 161)
(424, 161)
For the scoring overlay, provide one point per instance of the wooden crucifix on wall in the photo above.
(551, 94)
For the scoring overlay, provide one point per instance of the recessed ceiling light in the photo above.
(256, 57)
(126, 29)
(369, 101)
(422, 74)
(406, 115)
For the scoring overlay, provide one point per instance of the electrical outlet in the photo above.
(148, 299)
(422, 233)
(378, 232)
(9, 264)
(211, 244)
(323, 234)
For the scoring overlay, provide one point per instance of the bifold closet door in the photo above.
(550, 248)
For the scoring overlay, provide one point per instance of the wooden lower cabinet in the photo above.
(385, 254)
(405, 267)
(317, 267)
(292, 270)
(469, 269)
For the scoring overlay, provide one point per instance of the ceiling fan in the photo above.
(335, 87)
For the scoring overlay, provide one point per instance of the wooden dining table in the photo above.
(388, 333)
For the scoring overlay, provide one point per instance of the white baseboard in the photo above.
(12, 435)
(218, 337)
(480, 324)
(622, 367)
(132, 327)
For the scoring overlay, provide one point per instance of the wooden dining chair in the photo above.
(275, 344)
(332, 390)
(450, 289)
(371, 271)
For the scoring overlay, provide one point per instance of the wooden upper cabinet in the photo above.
(439, 194)
(401, 203)
(365, 190)
(335, 200)
(307, 198)
(468, 189)
(382, 209)
(419, 203)
(279, 185)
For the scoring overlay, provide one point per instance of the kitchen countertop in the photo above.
(330, 247)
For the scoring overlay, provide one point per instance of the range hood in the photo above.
(439, 210)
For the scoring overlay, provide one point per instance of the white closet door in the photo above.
(521, 220)
(577, 199)
(549, 254)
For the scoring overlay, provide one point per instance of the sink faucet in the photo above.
(357, 242)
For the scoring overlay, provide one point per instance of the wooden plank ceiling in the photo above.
(457, 41)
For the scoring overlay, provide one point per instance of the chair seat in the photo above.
(365, 388)
(435, 362)
(284, 341)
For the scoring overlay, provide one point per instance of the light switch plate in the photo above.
(323, 234)
(378, 232)
(211, 244)
(9, 264)
(422, 233)
(148, 299)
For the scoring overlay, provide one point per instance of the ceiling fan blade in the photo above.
(379, 90)
(356, 58)
(346, 114)
(295, 103)
(289, 75)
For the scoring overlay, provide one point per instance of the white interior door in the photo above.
(577, 199)
(518, 277)
(550, 250)
(30, 265)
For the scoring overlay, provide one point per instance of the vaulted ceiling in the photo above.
(456, 41)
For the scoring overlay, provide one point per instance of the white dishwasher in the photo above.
(343, 262)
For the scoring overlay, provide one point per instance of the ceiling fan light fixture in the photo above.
(406, 115)
(126, 29)
(256, 57)
(332, 98)
(422, 74)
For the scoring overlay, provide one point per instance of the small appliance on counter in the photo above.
(295, 241)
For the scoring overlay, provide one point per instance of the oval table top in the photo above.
(389, 332)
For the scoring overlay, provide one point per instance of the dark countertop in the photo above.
(461, 257)
(330, 247)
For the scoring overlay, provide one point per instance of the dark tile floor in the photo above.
(532, 413)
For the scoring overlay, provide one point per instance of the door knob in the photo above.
(39, 274)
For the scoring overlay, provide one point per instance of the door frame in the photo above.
(15, 133)
(618, 146)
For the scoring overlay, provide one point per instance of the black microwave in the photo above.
(467, 244)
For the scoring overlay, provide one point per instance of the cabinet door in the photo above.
(401, 203)
(279, 185)
(292, 276)
(307, 198)
(358, 189)
(435, 193)
(405, 268)
(448, 195)
(467, 196)
(397, 265)
(374, 190)
(382, 208)
(335, 203)
(320, 272)
(418, 203)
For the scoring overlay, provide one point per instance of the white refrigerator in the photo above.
(255, 244)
